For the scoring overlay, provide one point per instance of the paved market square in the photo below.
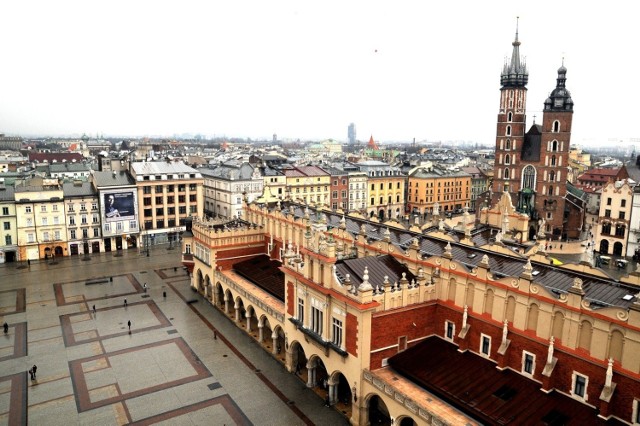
(70, 319)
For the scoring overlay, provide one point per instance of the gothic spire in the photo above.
(515, 73)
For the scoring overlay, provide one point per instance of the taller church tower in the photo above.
(533, 166)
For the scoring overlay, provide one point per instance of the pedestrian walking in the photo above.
(560, 246)
(28, 262)
(164, 294)
(129, 324)
(31, 373)
(34, 368)
(5, 326)
(94, 309)
(145, 287)
(215, 335)
(125, 303)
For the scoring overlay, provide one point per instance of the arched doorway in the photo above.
(228, 301)
(378, 411)
(532, 233)
(320, 375)
(298, 360)
(199, 281)
(58, 251)
(381, 214)
(218, 299)
(340, 393)
(207, 287)
(239, 310)
(617, 248)
(406, 421)
(604, 247)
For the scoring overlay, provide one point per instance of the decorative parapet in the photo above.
(254, 300)
(414, 407)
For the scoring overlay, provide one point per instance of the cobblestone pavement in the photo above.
(152, 359)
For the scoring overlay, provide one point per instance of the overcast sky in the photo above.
(302, 69)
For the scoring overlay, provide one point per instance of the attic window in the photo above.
(472, 255)
(627, 297)
(535, 272)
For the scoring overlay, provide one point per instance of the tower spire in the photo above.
(514, 73)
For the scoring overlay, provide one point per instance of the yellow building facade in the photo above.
(450, 189)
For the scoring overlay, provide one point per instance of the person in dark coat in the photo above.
(6, 327)
(34, 368)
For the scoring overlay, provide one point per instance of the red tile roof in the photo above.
(474, 385)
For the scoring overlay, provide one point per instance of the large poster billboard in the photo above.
(119, 206)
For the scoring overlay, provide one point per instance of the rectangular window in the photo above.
(528, 363)
(621, 215)
(159, 211)
(608, 201)
(107, 227)
(182, 210)
(94, 206)
(579, 386)
(636, 411)
(7, 240)
(7, 226)
(55, 207)
(301, 310)
(85, 233)
(96, 232)
(146, 189)
(449, 330)
(83, 220)
(623, 203)
(27, 209)
(45, 236)
(485, 345)
(607, 213)
(316, 320)
(56, 235)
(158, 189)
(43, 209)
(119, 226)
(5, 211)
(72, 233)
(158, 200)
(182, 198)
(44, 221)
(337, 332)
(133, 225)
(31, 238)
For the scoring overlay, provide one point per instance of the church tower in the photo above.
(511, 122)
(532, 166)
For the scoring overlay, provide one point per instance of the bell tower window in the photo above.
(506, 173)
(553, 160)
(508, 144)
(507, 159)
(510, 117)
(554, 146)
(556, 127)
(508, 130)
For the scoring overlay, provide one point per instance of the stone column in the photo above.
(260, 332)
(237, 309)
(311, 375)
(333, 392)
(274, 338)
(226, 304)
(248, 316)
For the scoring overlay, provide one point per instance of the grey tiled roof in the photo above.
(78, 189)
(105, 179)
(599, 292)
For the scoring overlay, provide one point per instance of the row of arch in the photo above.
(334, 386)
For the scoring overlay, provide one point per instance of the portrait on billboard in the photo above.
(119, 206)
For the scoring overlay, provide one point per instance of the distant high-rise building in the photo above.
(351, 133)
(275, 137)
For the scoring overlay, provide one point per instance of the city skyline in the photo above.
(306, 71)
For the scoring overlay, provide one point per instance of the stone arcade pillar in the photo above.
(226, 304)
(274, 338)
(260, 332)
(311, 374)
(248, 316)
(237, 309)
(333, 391)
